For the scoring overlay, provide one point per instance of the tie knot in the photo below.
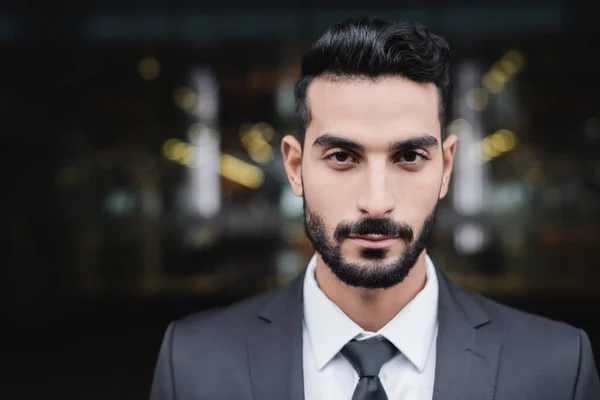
(368, 356)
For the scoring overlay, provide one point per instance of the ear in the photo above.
(448, 148)
(291, 149)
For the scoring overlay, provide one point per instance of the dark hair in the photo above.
(368, 48)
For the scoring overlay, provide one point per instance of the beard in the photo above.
(375, 272)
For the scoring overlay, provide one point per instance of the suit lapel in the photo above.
(275, 346)
(467, 352)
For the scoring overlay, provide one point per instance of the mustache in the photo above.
(374, 226)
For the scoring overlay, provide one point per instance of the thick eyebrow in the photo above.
(329, 140)
(424, 140)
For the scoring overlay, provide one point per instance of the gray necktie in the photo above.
(367, 357)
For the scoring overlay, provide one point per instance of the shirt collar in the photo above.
(412, 330)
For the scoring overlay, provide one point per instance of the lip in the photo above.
(373, 242)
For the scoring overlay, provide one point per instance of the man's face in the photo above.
(371, 172)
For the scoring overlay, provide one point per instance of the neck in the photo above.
(371, 309)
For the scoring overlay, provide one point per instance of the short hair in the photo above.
(369, 48)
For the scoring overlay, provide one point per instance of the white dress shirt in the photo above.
(409, 375)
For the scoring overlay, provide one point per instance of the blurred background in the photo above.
(143, 179)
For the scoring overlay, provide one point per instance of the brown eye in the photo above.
(411, 156)
(341, 156)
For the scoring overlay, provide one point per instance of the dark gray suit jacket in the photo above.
(485, 351)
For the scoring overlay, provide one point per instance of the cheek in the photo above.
(330, 198)
(325, 206)
(416, 195)
(331, 190)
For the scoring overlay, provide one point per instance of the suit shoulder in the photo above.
(207, 348)
(540, 355)
(528, 326)
(225, 318)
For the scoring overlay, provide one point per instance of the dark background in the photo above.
(106, 153)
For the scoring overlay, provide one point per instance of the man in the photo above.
(371, 318)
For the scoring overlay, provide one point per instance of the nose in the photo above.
(376, 198)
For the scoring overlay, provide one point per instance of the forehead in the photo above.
(367, 110)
